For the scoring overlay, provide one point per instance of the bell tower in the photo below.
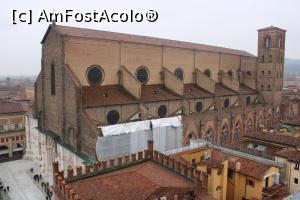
(270, 67)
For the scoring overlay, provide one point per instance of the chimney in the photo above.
(126, 159)
(104, 164)
(120, 160)
(150, 148)
(112, 162)
(87, 169)
(133, 157)
(238, 166)
(96, 166)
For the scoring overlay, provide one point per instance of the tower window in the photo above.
(52, 74)
(113, 117)
(162, 111)
(248, 100)
(269, 87)
(279, 43)
(269, 72)
(199, 106)
(267, 42)
(207, 73)
(270, 59)
(262, 72)
(142, 74)
(179, 73)
(95, 75)
(230, 73)
(263, 59)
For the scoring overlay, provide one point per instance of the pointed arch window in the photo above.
(224, 135)
(267, 42)
(52, 79)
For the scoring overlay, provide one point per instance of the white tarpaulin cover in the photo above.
(122, 139)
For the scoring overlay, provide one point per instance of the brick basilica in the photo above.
(91, 78)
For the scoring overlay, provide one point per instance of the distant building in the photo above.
(12, 130)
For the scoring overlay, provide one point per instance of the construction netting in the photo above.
(123, 139)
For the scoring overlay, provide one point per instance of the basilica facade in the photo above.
(91, 78)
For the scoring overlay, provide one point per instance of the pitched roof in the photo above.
(248, 167)
(271, 28)
(194, 91)
(11, 107)
(105, 95)
(133, 183)
(246, 90)
(222, 90)
(151, 93)
(106, 35)
(275, 138)
(290, 154)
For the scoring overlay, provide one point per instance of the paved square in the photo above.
(16, 175)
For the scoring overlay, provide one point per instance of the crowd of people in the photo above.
(45, 185)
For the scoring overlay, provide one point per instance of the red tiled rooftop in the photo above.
(194, 91)
(158, 92)
(292, 154)
(106, 35)
(248, 167)
(11, 107)
(132, 183)
(275, 138)
(105, 95)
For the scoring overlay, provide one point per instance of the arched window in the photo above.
(95, 75)
(207, 73)
(142, 74)
(249, 126)
(199, 106)
(230, 73)
(179, 73)
(113, 117)
(262, 72)
(270, 58)
(224, 135)
(248, 100)
(226, 103)
(262, 58)
(162, 111)
(52, 74)
(237, 132)
(209, 135)
(267, 42)
(270, 72)
(279, 43)
(269, 87)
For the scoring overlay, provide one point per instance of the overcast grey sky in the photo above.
(228, 23)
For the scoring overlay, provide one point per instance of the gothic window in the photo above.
(207, 73)
(249, 127)
(113, 117)
(230, 73)
(179, 73)
(237, 132)
(260, 124)
(70, 135)
(142, 74)
(226, 103)
(95, 75)
(269, 87)
(269, 72)
(263, 59)
(270, 59)
(52, 74)
(248, 100)
(224, 135)
(209, 135)
(267, 42)
(199, 106)
(162, 111)
(279, 43)
(262, 72)
(269, 121)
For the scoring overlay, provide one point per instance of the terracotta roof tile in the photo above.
(291, 154)
(105, 95)
(106, 35)
(194, 91)
(248, 167)
(275, 138)
(152, 93)
(132, 183)
(11, 107)
(246, 90)
(222, 90)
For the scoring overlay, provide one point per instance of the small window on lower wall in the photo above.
(296, 180)
(162, 111)
(248, 100)
(113, 117)
(226, 103)
(199, 106)
(250, 182)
